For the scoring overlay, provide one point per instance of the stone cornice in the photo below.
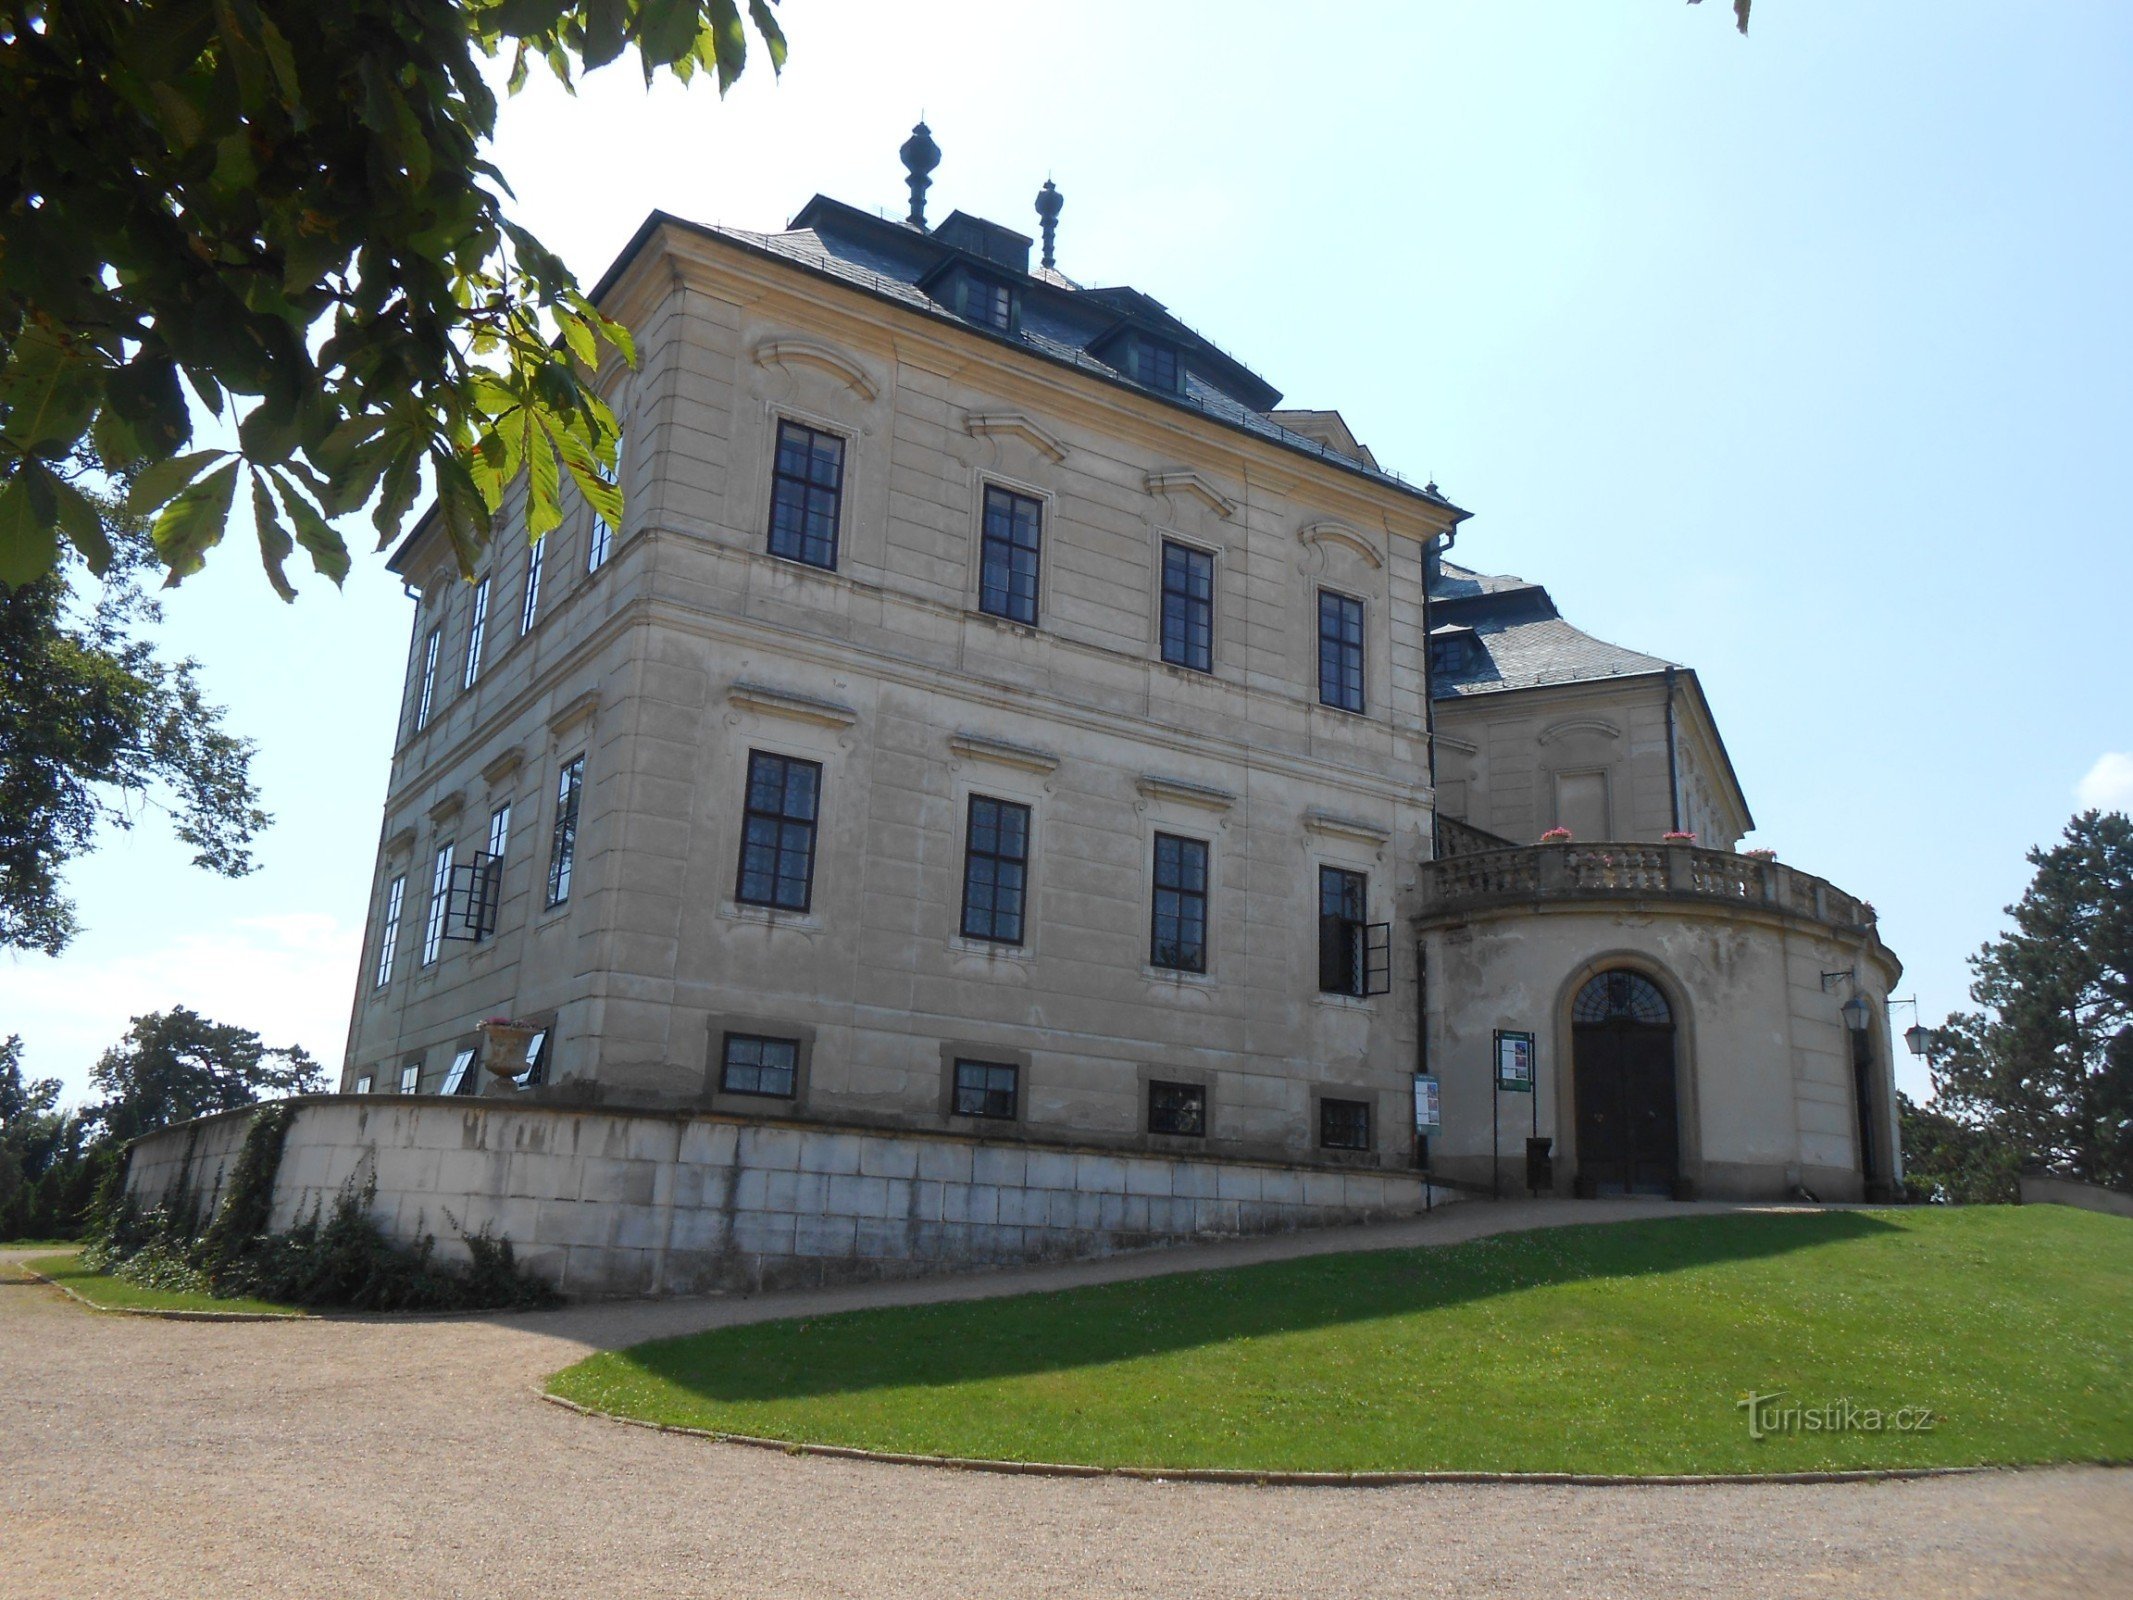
(1004, 424)
(978, 747)
(503, 765)
(769, 702)
(1183, 480)
(573, 711)
(1318, 821)
(1326, 531)
(1570, 726)
(1191, 794)
(788, 352)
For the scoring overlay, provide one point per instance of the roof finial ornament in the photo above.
(921, 155)
(1049, 203)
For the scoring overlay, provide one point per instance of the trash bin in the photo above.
(1540, 1165)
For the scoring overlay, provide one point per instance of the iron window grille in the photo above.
(986, 1089)
(1188, 607)
(563, 846)
(425, 696)
(1354, 954)
(1178, 912)
(1343, 1124)
(995, 870)
(411, 1077)
(603, 536)
(778, 832)
(362, 1083)
(440, 904)
(389, 935)
(1178, 1109)
(530, 607)
(753, 1064)
(459, 1077)
(1009, 552)
(1340, 651)
(477, 631)
(806, 495)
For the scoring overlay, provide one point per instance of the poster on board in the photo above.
(1514, 1062)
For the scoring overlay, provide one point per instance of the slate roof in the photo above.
(1520, 641)
(1060, 319)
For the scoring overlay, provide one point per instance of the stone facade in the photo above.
(611, 1202)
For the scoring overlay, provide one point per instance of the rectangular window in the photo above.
(1343, 901)
(995, 870)
(440, 901)
(754, 1065)
(806, 493)
(1344, 1124)
(389, 935)
(1179, 937)
(477, 631)
(1188, 607)
(1007, 560)
(459, 1079)
(499, 830)
(603, 536)
(536, 1059)
(989, 304)
(778, 832)
(563, 844)
(530, 607)
(1178, 1109)
(411, 1077)
(985, 1089)
(362, 1083)
(1155, 364)
(1340, 651)
(426, 695)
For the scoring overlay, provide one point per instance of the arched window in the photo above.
(1621, 997)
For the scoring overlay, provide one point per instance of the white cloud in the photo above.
(288, 978)
(2109, 784)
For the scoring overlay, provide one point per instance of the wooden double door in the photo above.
(1628, 1129)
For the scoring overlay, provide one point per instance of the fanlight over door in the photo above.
(1622, 1042)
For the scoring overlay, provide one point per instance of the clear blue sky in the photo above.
(1801, 358)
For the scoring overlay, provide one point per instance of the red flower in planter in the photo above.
(1556, 836)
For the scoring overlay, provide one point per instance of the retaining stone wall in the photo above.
(606, 1202)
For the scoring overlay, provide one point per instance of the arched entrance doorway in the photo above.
(1622, 1053)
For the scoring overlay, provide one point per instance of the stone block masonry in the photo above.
(611, 1202)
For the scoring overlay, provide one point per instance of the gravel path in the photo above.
(410, 1457)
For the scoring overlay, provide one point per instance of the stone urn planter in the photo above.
(503, 1049)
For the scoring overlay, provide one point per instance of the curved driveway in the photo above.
(410, 1457)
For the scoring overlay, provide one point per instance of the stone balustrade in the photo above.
(1540, 873)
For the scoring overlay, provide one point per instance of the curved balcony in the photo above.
(1542, 874)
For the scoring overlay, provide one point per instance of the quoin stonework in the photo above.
(1008, 788)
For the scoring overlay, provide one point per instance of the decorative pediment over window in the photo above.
(1185, 481)
(1572, 727)
(996, 424)
(787, 353)
(1326, 531)
(766, 701)
(981, 747)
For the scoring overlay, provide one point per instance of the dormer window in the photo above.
(977, 297)
(1451, 651)
(1154, 363)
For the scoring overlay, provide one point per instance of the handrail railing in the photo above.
(1601, 871)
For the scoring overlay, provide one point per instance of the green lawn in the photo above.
(116, 1294)
(1619, 1348)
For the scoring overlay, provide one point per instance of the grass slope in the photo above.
(1616, 1348)
(107, 1293)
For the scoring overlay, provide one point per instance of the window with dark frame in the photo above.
(459, 1077)
(806, 495)
(1156, 364)
(477, 632)
(563, 842)
(411, 1077)
(1343, 905)
(1177, 1109)
(986, 1089)
(1188, 607)
(778, 832)
(530, 608)
(1343, 1124)
(389, 935)
(1008, 559)
(750, 1063)
(1178, 913)
(603, 536)
(362, 1083)
(536, 1059)
(1340, 651)
(425, 696)
(995, 870)
(440, 903)
(985, 301)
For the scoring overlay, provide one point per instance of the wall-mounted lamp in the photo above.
(1917, 1038)
(1857, 1013)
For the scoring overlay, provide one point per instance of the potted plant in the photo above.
(1760, 855)
(1556, 836)
(1678, 836)
(503, 1045)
